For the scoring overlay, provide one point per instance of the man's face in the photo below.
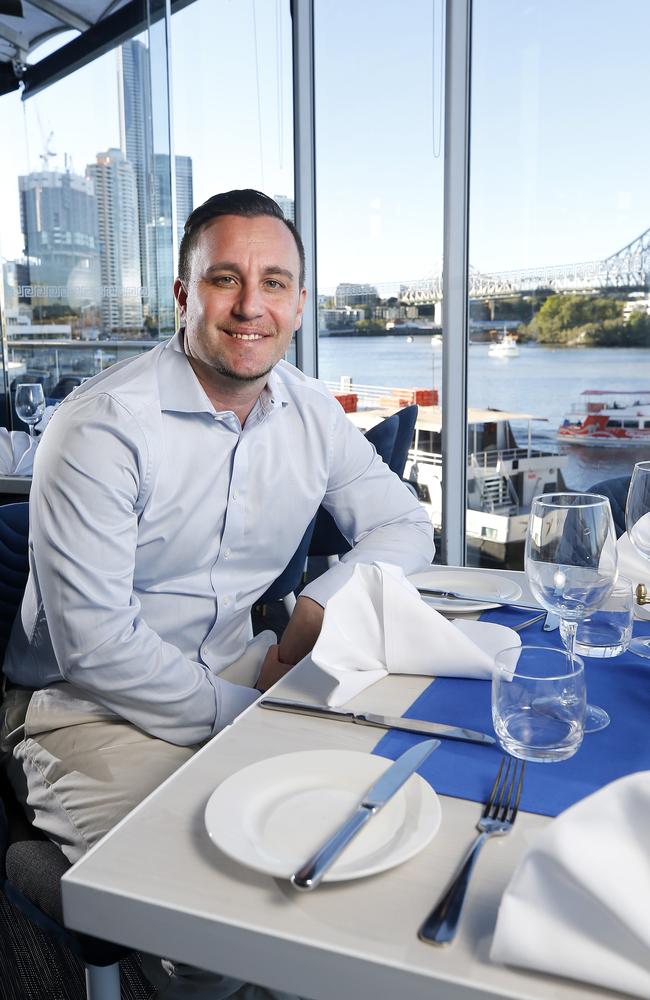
(243, 301)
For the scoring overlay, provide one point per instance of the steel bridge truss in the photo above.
(627, 268)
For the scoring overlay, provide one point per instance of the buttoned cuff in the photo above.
(232, 699)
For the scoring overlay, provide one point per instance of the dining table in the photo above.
(157, 883)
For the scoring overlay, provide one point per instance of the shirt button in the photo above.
(226, 553)
(235, 494)
(226, 602)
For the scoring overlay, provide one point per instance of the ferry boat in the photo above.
(608, 418)
(505, 347)
(503, 476)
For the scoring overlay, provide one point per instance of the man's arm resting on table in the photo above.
(298, 639)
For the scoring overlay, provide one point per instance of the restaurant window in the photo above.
(232, 101)
(98, 187)
(85, 238)
(559, 216)
(379, 168)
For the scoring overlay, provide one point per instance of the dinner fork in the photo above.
(497, 819)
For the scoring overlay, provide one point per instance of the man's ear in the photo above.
(180, 294)
(301, 306)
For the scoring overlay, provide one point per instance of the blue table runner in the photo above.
(620, 684)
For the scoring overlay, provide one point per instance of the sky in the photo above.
(559, 143)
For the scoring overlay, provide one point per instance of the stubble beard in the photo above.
(226, 372)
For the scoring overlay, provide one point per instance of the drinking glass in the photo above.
(571, 563)
(30, 403)
(538, 702)
(607, 631)
(637, 523)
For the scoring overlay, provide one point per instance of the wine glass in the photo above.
(637, 523)
(30, 403)
(571, 563)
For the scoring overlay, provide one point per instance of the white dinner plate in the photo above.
(496, 589)
(273, 815)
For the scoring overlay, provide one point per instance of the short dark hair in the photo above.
(248, 203)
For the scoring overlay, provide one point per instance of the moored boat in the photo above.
(503, 475)
(505, 347)
(608, 418)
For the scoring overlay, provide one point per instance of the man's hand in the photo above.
(298, 639)
(302, 630)
(272, 669)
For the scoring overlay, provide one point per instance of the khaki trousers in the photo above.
(78, 769)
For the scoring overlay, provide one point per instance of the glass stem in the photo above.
(572, 628)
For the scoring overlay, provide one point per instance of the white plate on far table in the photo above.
(273, 815)
(497, 589)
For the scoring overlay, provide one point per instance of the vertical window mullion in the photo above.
(455, 312)
(304, 158)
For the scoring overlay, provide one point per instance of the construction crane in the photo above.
(48, 153)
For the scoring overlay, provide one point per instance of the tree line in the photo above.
(587, 321)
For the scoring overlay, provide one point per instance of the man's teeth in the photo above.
(247, 336)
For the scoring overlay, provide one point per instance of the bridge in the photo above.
(627, 268)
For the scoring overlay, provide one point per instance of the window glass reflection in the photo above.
(379, 103)
(559, 208)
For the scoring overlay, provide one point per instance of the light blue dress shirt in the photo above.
(156, 522)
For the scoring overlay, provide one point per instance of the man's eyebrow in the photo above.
(276, 269)
(229, 265)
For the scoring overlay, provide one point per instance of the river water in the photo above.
(543, 381)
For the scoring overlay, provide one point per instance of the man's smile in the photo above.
(237, 335)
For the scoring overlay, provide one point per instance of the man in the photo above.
(168, 493)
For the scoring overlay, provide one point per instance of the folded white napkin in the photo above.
(633, 566)
(578, 905)
(378, 624)
(16, 453)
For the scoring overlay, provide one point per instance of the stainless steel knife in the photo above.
(310, 874)
(418, 726)
(456, 595)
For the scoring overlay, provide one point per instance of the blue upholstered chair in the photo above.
(31, 866)
(284, 586)
(406, 419)
(616, 492)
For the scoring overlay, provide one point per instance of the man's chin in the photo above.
(237, 376)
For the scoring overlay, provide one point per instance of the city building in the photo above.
(287, 205)
(136, 143)
(117, 218)
(153, 183)
(184, 192)
(355, 295)
(58, 219)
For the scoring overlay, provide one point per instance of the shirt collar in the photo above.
(181, 391)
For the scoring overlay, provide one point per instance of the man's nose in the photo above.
(248, 304)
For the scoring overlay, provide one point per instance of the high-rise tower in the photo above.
(136, 142)
(153, 183)
(116, 197)
(59, 223)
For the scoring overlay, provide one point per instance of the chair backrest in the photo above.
(14, 535)
(616, 492)
(291, 577)
(383, 436)
(404, 438)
